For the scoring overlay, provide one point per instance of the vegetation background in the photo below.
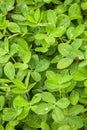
(43, 65)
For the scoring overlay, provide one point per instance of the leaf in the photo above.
(18, 17)
(19, 101)
(76, 121)
(33, 121)
(51, 17)
(84, 5)
(18, 83)
(2, 102)
(74, 97)
(24, 113)
(64, 49)
(42, 108)
(74, 11)
(36, 98)
(9, 4)
(1, 127)
(46, 96)
(67, 2)
(9, 114)
(9, 126)
(36, 76)
(9, 70)
(78, 30)
(21, 66)
(40, 36)
(57, 115)
(75, 110)
(63, 21)
(26, 56)
(64, 63)
(37, 15)
(22, 44)
(45, 126)
(63, 103)
(13, 27)
(76, 43)
(42, 65)
(64, 127)
(58, 32)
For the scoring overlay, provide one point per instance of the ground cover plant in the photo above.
(43, 65)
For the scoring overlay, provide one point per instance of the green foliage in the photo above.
(43, 64)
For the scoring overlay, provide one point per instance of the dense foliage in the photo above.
(43, 64)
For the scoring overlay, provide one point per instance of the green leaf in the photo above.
(9, 4)
(51, 17)
(74, 11)
(76, 43)
(24, 113)
(42, 108)
(84, 5)
(64, 127)
(76, 121)
(63, 21)
(64, 49)
(75, 110)
(21, 66)
(47, 1)
(36, 98)
(64, 63)
(46, 96)
(26, 56)
(9, 114)
(58, 32)
(22, 44)
(18, 83)
(78, 30)
(36, 76)
(9, 126)
(63, 103)
(42, 65)
(37, 15)
(2, 102)
(67, 2)
(57, 115)
(20, 102)
(9, 70)
(74, 97)
(40, 36)
(18, 17)
(33, 121)
(45, 126)
(13, 27)
(1, 127)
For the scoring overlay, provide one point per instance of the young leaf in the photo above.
(42, 65)
(78, 30)
(74, 97)
(46, 96)
(75, 110)
(51, 17)
(57, 115)
(36, 76)
(45, 126)
(9, 70)
(64, 49)
(19, 101)
(74, 11)
(13, 27)
(2, 102)
(58, 32)
(76, 121)
(63, 103)
(42, 108)
(64, 63)
(37, 15)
